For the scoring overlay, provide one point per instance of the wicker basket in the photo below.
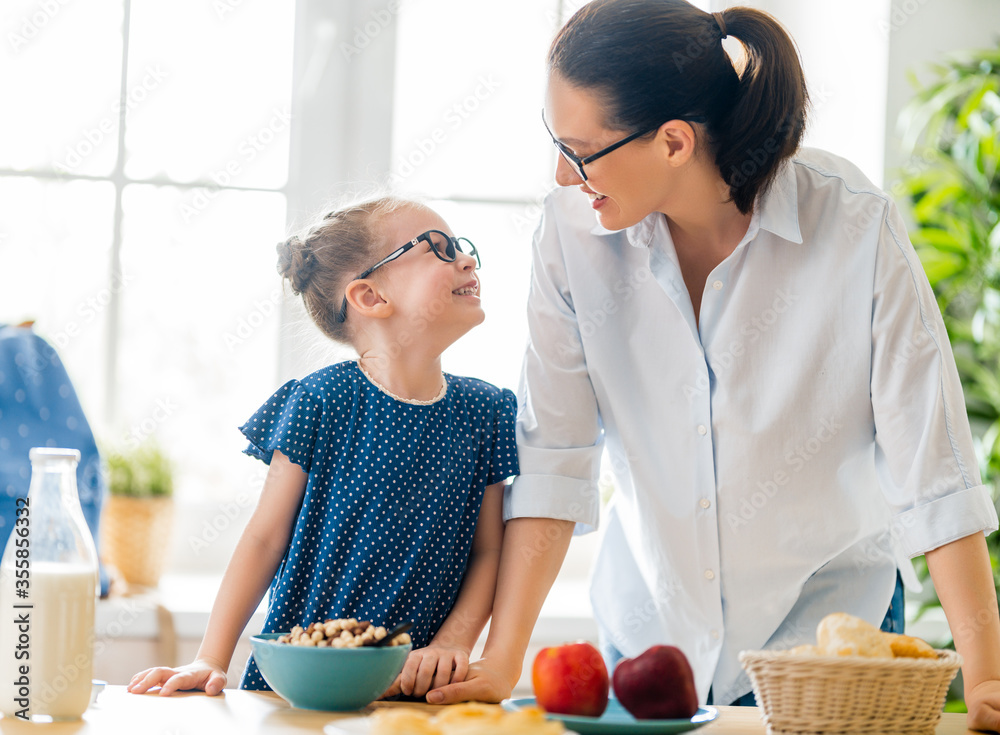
(823, 694)
(135, 537)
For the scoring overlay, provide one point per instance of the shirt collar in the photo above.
(778, 208)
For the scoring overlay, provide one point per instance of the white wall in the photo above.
(845, 58)
(857, 55)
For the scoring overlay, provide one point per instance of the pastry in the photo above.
(906, 646)
(471, 718)
(806, 650)
(403, 721)
(468, 713)
(840, 634)
(529, 721)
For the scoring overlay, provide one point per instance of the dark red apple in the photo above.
(658, 684)
(571, 680)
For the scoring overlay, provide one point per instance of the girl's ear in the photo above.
(364, 296)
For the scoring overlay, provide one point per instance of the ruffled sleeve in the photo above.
(503, 463)
(288, 421)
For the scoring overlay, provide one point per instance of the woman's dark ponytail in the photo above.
(656, 60)
(768, 117)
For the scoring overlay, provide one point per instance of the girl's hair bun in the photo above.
(296, 262)
(323, 258)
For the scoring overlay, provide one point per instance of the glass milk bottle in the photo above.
(48, 588)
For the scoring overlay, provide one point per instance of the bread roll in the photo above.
(906, 646)
(840, 634)
(403, 721)
(806, 650)
(470, 718)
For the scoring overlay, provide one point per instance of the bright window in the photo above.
(144, 189)
(470, 144)
(148, 187)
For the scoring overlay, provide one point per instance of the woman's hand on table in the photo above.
(429, 668)
(200, 674)
(983, 702)
(483, 683)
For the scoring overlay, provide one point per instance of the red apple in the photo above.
(658, 684)
(571, 680)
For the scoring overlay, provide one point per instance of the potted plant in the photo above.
(139, 513)
(951, 130)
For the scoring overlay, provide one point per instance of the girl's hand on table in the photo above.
(429, 668)
(983, 702)
(482, 684)
(200, 674)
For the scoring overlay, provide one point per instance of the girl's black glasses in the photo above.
(445, 247)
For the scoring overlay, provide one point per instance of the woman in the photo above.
(751, 337)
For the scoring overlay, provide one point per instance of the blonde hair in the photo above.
(319, 263)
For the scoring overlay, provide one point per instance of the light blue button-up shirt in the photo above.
(771, 458)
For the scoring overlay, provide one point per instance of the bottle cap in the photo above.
(53, 454)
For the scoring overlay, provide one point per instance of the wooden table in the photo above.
(235, 711)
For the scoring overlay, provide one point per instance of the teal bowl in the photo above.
(337, 679)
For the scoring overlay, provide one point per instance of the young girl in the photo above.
(383, 497)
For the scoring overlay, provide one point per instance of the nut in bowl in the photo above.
(335, 677)
(851, 683)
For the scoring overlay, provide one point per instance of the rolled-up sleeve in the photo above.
(924, 453)
(559, 433)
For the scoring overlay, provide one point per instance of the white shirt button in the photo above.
(717, 285)
(714, 634)
(705, 503)
(709, 574)
(702, 429)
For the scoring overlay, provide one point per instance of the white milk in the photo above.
(61, 646)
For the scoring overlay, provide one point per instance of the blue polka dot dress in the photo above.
(392, 498)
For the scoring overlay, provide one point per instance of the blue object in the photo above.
(616, 719)
(337, 679)
(39, 408)
(895, 618)
(392, 499)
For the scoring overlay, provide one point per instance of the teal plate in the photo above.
(617, 719)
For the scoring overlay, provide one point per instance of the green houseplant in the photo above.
(951, 131)
(143, 472)
(139, 513)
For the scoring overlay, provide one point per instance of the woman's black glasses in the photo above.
(578, 163)
(445, 247)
